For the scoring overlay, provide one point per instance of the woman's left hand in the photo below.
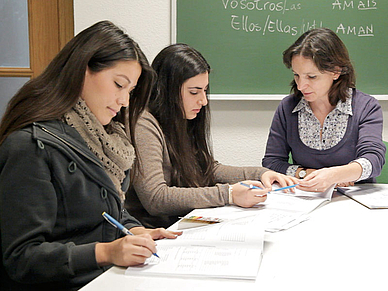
(270, 177)
(155, 233)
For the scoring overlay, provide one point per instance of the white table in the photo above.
(343, 246)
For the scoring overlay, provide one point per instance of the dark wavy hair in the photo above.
(53, 93)
(187, 140)
(328, 53)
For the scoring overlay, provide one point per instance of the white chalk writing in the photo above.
(247, 17)
(350, 4)
(355, 30)
(258, 5)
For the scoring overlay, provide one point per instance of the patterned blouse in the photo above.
(333, 130)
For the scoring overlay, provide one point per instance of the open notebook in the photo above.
(230, 249)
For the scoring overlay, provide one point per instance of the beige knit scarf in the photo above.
(110, 143)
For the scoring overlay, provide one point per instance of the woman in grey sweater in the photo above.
(177, 171)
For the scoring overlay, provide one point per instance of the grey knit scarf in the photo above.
(110, 143)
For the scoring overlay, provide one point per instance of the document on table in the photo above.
(231, 249)
(372, 196)
(279, 212)
(285, 210)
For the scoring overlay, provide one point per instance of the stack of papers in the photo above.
(230, 249)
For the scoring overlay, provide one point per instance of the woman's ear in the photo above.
(88, 72)
(337, 73)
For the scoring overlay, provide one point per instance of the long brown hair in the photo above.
(187, 140)
(328, 53)
(53, 93)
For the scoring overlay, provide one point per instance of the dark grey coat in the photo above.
(53, 190)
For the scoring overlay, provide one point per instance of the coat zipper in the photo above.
(67, 143)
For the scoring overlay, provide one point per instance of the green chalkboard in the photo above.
(243, 40)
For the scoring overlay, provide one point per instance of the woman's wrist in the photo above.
(138, 230)
(301, 173)
(101, 253)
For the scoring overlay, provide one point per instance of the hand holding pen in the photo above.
(129, 250)
(275, 190)
(248, 196)
(121, 227)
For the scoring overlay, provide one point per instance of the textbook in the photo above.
(370, 195)
(229, 249)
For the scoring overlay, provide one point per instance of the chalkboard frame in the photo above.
(237, 96)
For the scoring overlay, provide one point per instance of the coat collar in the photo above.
(67, 140)
(62, 135)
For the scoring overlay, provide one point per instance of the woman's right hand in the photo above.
(247, 197)
(126, 251)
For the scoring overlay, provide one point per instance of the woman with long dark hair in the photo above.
(65, 156)
(177, 171)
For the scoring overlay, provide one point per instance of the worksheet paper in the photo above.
(280, 211)
(231, 249)
(285, 210)
(372, 196)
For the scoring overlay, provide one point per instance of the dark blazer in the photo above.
(53, 190)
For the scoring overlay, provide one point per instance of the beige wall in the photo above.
(239, 128)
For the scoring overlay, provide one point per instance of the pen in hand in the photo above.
(256, 187)
(250, 186)
(121, 227)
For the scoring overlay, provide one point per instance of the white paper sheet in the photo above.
(279, 212)
(230, 249)
(373, 196)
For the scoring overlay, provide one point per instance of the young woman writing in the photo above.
(65, 155)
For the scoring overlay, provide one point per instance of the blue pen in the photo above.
(255, 187)
(118, 225)
(287, 187)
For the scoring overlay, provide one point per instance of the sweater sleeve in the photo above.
(277, 150)
(28, 208)
(152, 184)
(370, 145)
(232, 174)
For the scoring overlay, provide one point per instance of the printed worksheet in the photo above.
(230, 249)
(280, 211)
